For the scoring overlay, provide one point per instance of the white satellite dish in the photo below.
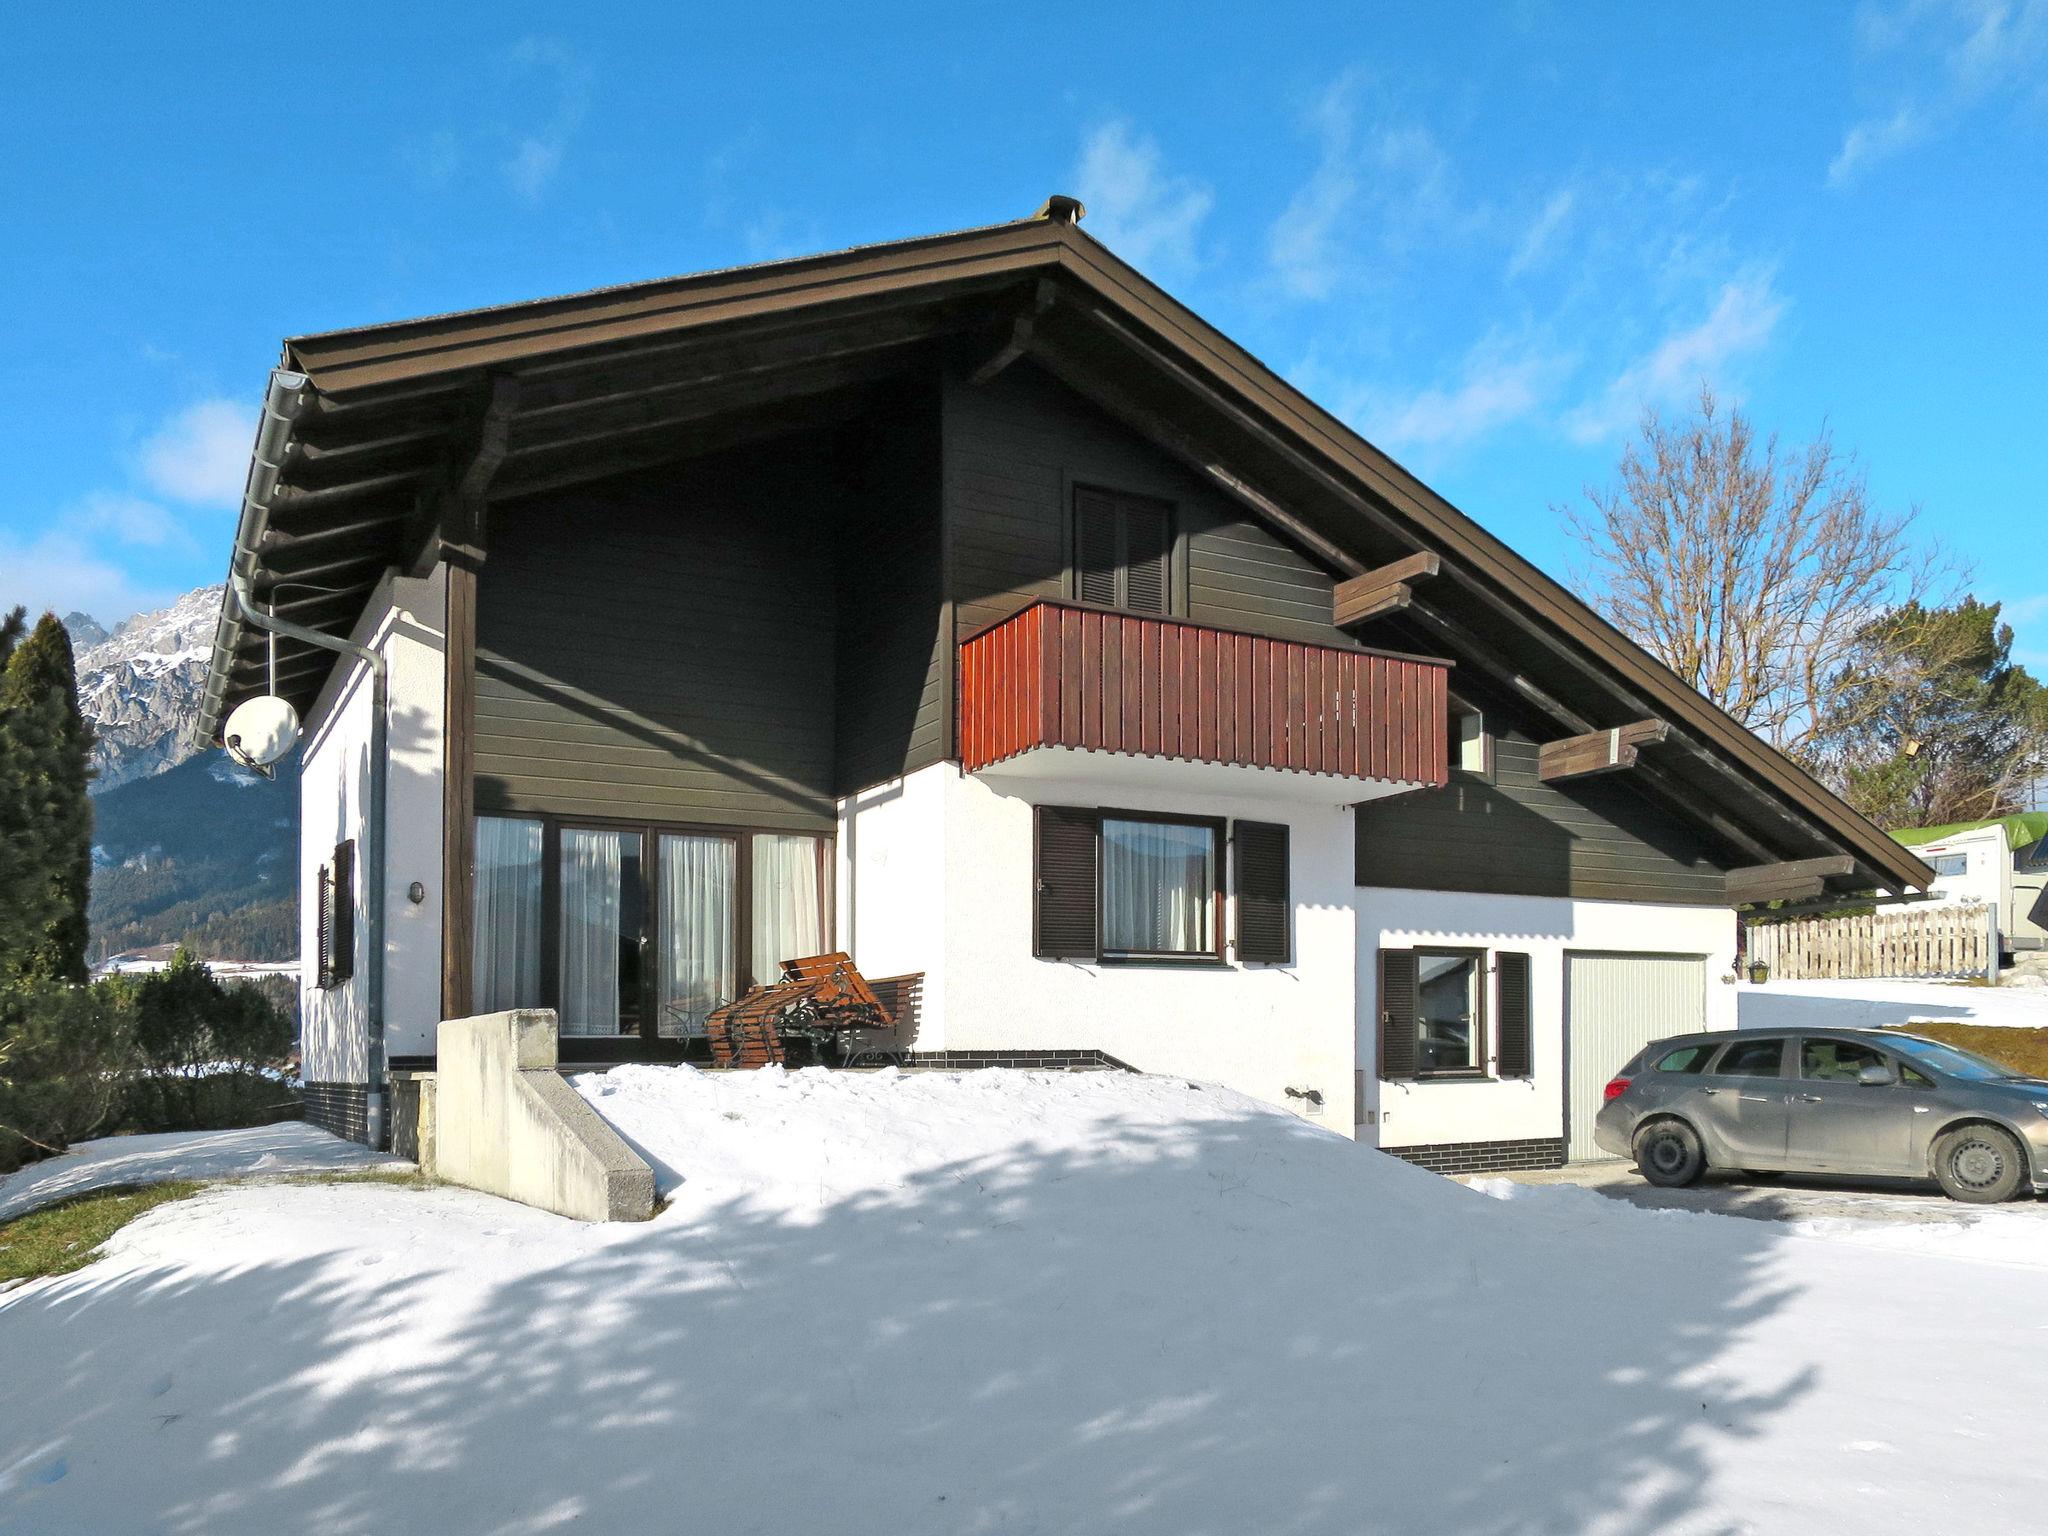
(261, 731)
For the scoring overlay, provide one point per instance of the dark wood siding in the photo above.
(1014, 450)
(893, 648)
(661, 647)
(1596, 839)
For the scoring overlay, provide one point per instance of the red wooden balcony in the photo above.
(1062, 675)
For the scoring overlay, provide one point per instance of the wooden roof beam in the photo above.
(448, 522)
(1790, 880)
(1385, 589)
(1608, 751)
(1017, 338)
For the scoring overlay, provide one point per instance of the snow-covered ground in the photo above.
(1873, 1004)
(1007, 1301)
(293, 1147)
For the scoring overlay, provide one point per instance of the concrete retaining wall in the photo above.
(506, 1122)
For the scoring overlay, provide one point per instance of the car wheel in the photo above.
(1668, 1153)
(1979, 1163)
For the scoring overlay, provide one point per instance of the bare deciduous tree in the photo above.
(1754, 572)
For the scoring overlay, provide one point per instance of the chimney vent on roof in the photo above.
(1062, 209)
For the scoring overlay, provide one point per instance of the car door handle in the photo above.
(1807, 1098)
(1710, 1092)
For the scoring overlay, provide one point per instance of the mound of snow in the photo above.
(293, 1147)
(1008, 1301)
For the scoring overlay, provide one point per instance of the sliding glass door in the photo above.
(634, 933)
(600, 931)
(699, 924)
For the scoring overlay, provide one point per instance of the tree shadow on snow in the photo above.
(1175, 1338)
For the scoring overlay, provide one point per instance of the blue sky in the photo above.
(1487, 236)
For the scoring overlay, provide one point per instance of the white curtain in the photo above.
(506, 948)
(788, 903)
(1158, 884)
(591, 922)
(696, 972)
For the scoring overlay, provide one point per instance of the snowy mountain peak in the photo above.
(140, 685)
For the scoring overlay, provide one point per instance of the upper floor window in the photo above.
(1122, 550)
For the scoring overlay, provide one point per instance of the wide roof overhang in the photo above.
(399, 429)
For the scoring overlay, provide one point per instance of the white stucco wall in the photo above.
(890, 884)
(1408, 1114)
(1258, 1028)
(405, 619)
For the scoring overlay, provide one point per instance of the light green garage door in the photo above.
(1614, 1005)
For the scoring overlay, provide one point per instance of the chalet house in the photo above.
(968, 604)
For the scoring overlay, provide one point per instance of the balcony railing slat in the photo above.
(1063, 675)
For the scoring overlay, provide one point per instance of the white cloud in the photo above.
(1743, 319)
(1982, 52)
(63, 572)
(564, 84)
(201, 454)
(1147, 215)
(1874, 140)
(132, 520)
(1379, 182)
(1542, 231)
(1497, 384)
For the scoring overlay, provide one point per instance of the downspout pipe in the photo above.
(283, 402)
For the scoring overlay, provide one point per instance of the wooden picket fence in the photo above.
(1910, 941)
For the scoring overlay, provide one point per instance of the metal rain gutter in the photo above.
(283, 402)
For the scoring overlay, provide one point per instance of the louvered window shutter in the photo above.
(1095, 547)
(1264, 903)
(1511, 1014)
(338, 917)
(1397, 1014)
(1148, 542)
(1063, 911)
(323, 926)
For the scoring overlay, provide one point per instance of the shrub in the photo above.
(210, 1055)
(65, 1051)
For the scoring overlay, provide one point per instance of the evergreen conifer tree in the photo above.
(45, 813)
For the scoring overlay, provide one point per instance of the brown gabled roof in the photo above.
(397, 408)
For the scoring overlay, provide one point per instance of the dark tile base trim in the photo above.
(1483, 1156)
(340, 1108)
(968, 1061)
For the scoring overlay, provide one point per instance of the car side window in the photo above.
(1687, 1058)
(1912, 1077)
(1753, 1058)
(1836, 1061)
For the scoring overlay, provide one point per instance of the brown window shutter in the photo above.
(339, 960)
(1063, 909)
(323, 925)
(1148, 543)
(1095, 547)
(1264, 902)
(1511, 1014)
(1397, 1014)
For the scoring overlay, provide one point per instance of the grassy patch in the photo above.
(68, 1235)
(2017, 1050)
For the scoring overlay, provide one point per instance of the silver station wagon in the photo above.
(1836, 1101)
